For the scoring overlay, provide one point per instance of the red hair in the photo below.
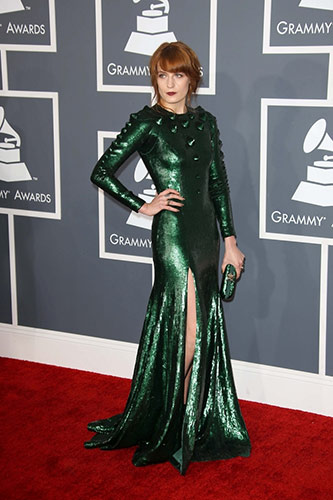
(175, 57)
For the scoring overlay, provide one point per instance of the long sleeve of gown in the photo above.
(130, 139)
(218, 184)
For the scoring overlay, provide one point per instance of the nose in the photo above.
(170, 82)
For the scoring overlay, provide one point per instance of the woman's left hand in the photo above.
(232, 255)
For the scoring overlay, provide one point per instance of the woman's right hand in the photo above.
(165, 200)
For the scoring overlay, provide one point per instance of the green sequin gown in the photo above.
(183, 152)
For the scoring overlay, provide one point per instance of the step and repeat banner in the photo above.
(75, 261)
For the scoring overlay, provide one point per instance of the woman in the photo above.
(182, 405)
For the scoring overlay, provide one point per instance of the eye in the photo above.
(161, 75)
(179, 75)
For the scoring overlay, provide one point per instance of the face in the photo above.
(173, 88)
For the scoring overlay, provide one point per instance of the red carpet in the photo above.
(44, 412)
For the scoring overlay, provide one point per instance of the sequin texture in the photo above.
(182, 152)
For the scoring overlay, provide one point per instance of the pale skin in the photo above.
(173, 89)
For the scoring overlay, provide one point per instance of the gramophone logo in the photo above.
(152, 29)
(135, 218)
(318, 188)
(12, 169)
(7, 6)
(317, 4)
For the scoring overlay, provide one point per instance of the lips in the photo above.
(171, 93)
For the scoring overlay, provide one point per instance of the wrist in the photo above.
(230, 241)
(142, 209)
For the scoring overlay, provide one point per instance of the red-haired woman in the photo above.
(182, 406)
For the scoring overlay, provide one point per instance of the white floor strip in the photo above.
(264, 384)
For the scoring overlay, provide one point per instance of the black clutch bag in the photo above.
(228, 283)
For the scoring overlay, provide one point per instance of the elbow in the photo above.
(96, 177)
(218, 193)
(94, 180)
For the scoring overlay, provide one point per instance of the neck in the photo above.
(178, 108)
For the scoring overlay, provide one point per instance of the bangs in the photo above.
(174, 62)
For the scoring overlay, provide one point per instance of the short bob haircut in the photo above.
(175, 57)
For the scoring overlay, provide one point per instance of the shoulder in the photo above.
(207, 115)
(140, 120)
(140, 115)
(143, 114)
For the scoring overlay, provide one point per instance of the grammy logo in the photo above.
(317, 4)
(152, 30)
(135, 218)
(11, 168)
(318, 188)
(7, 6)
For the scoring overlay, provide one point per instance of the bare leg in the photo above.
(191, 323)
